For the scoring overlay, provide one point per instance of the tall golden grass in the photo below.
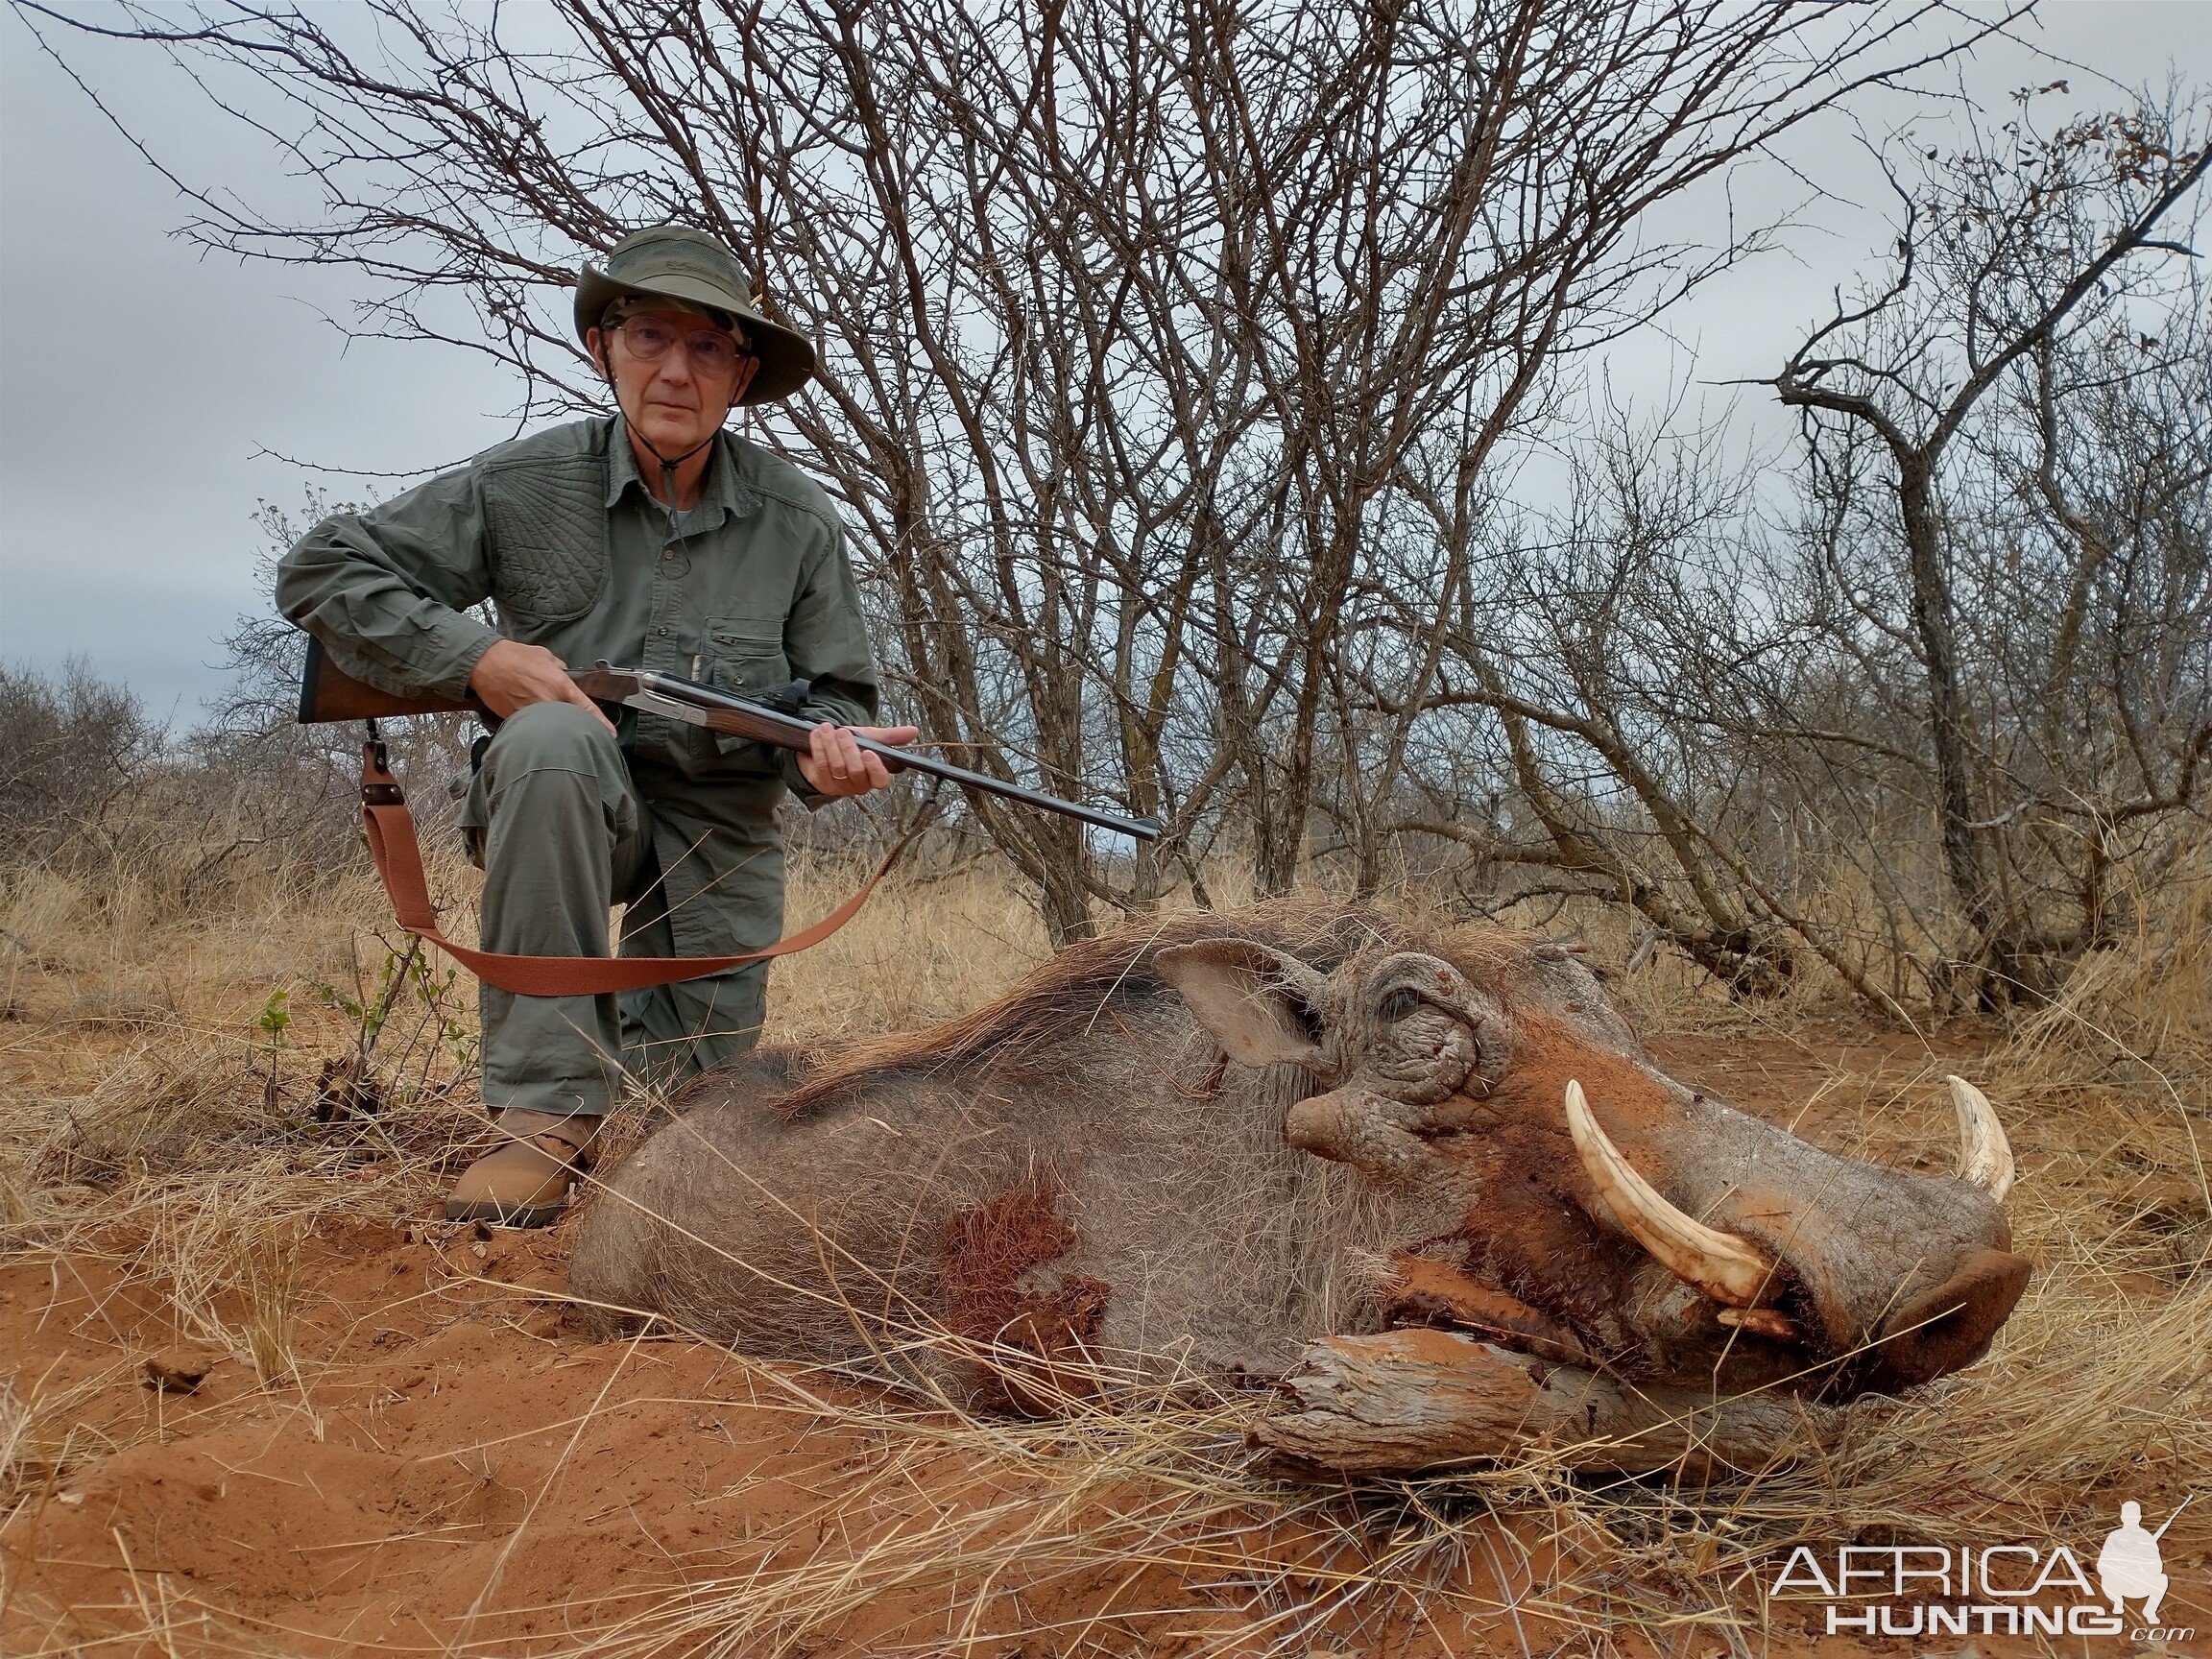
(155, 1099)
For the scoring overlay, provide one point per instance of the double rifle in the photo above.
(328, 693)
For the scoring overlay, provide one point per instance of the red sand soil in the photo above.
(454, 1468)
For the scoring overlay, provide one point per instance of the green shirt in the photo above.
(558, 530)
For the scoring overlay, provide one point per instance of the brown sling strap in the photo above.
(390, 830)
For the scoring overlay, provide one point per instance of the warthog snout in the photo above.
(1940, 1330)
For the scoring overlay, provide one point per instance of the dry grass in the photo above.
(154, 1127)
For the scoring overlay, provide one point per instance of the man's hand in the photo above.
(512, 674)
(836, 765)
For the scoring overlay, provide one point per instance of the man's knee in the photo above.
(563, 761)
(552, 735)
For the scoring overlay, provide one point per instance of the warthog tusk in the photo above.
(1761, 1322)
(1718, 1263)
(1985, 1155)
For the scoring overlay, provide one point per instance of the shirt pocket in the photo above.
(745, 654)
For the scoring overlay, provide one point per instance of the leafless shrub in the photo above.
(1170, 352)
(1174, 359)
(2045, 593)
(70, 747)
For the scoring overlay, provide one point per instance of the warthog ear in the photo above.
(1263, 1006)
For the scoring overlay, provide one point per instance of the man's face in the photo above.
(676, 374)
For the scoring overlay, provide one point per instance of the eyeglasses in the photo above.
(711, 351)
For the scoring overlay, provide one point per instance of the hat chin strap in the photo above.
(667, 466)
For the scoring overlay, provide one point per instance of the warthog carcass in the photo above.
(1430, 1187)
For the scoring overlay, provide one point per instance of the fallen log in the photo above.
(1422, 1399)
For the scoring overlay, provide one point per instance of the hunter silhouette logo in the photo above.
(2130, 1565)
(1992, 1588)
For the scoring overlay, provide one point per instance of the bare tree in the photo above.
(1170, 349)
(1642, 671)
(2002, 259)
(2087, 535)
(71, 745)
(1720, 724)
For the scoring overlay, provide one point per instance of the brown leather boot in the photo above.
(525, 1180)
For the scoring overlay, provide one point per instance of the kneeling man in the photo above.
(650, 537)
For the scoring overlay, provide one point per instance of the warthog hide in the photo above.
(1231, 1146)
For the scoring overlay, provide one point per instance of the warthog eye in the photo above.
(1399, 1003)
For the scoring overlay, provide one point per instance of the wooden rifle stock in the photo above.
(328, 693)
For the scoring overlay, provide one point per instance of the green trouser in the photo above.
(563, 833)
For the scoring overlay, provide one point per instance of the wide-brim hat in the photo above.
(675, 262)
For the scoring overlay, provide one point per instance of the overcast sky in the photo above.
(146, 393)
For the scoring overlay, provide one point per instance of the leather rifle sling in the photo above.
(391, 843)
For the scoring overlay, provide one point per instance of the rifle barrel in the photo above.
(900, 759)
(2176, 1516)
(329, 693)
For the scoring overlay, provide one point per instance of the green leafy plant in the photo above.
(406, 1030)
(273, 1022)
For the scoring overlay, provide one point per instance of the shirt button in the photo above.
(660, 633)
